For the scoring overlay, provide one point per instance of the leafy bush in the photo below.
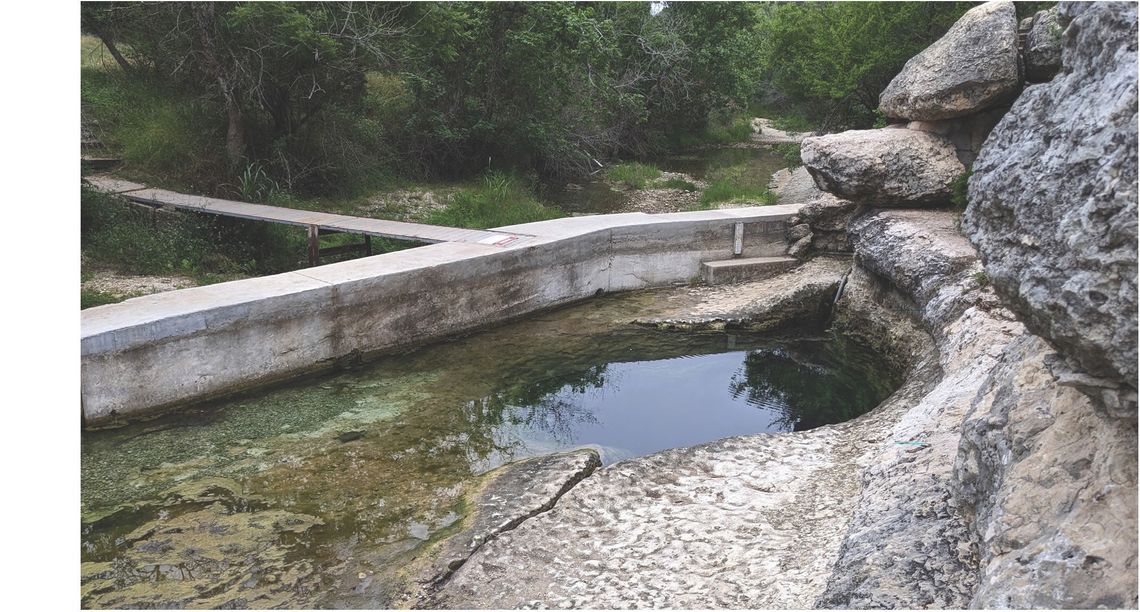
(634, 175)
(831, 60)
(727, 127)
(791, 154)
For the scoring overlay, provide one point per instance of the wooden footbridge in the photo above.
(316, 222)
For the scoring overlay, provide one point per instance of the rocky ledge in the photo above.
(934, 499)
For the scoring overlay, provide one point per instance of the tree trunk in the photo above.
(119, 59)
(235, 133)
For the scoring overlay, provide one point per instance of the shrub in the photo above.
(959, 195)
(791, 154)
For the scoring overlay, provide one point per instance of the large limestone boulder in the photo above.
(974, 66)
(888, 167)
(793, 186)
(1053, 203)
(1042, 53)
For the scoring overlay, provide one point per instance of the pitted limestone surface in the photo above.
(511, 495)
(747, 522)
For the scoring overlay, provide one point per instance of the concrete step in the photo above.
(750, 268)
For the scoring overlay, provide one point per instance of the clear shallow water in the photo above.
(298, 516)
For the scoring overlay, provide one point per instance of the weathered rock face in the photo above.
(887, 167)
(974, 66)
(1042, 53)
(1039, 509)
(967, 134)
(1053, 203)
(821, 226)
(1053, 487)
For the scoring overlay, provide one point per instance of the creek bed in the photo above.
(754, 165)
(270, 498)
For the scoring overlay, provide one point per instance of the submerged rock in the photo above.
(888, 167)
(972, 67)
(1053, 203)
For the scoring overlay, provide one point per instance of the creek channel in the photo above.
(751, 166)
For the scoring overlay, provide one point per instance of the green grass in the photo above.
(93, 55)
(500, 199)
(735, 129)
(727, 191)
(677, 183)
(133, 240)
(634, 175)
(89, 298)
(735, 184)
(161, 136)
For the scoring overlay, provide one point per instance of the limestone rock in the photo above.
(888, 167)
(799, 232)
(1053, 487)
(1042, 51)
(793, 186)
(974, 66)
(828, 213)
(1053, 198)
(509, 496)
(821, 226)
(801, 248)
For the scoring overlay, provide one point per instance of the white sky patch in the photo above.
(657, 7)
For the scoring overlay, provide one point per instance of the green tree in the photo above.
(833, 59)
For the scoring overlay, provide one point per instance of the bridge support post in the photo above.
(314, 245)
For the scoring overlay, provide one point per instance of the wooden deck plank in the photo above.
(419, 232)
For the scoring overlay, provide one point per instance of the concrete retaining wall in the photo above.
(162, 350)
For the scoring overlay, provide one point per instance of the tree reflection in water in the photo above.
(541, 405)
(813, 382)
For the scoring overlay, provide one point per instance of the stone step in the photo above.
(749, 268)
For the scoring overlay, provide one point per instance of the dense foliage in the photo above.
(329, 97)
(831, 60)
(324, 93)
